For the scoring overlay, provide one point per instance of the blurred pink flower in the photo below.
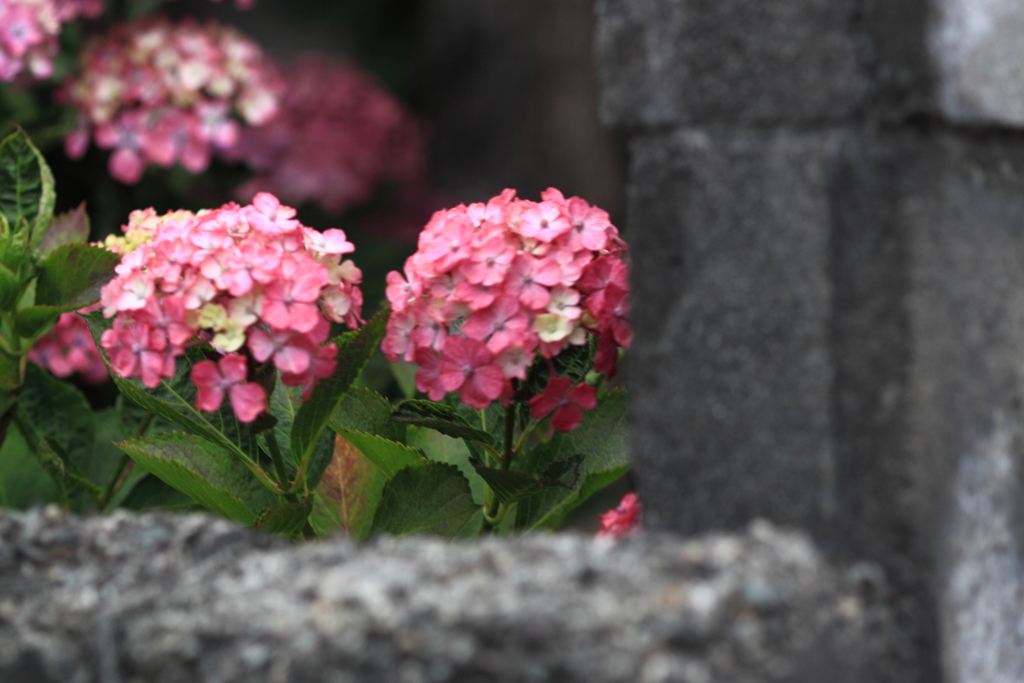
(336, 137)
(624, 520)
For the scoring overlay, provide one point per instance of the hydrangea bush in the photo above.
(227, 346)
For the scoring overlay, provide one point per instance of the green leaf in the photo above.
(10, 288)
(389, 456)
(30, 322)
(511, 486)
(205, 472)
(58, 411)
(433, 499)
(601, 439)
(23, 480)
(174, 401)
(367, 411)
(288, 520)
(440, 448)
(145, 491)
(349, 492)
(26, 186)
(73, 274)
(67, 228)
(405, 375)
(354, 349)
(440, 418)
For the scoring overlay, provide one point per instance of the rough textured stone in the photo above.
(728, 61)
(163, 599)
(979, 59)
(730, 373)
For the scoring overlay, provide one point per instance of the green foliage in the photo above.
(349, 492)
(71, 276)
(205, 472)
(66, 229)
(354, 350)
(440, 418)
(434, 498)
(26, 188)
(601, 440)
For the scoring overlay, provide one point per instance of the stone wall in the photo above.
(826, 203)
(192, 599)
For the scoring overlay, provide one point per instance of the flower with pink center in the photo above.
(624, 520)
(566, 401)
(467, 366)
(137, 350)
(544, 221)
(500, 325)
(289, 300)
(229, 374)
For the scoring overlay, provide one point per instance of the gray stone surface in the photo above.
(730, 373)
(978, 52)
(966, 412)
(162, 599)
(728, 61)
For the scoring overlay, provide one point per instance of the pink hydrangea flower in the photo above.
(69, 348)
(248, 399)
(566, 401)
(336, 137)
(623, 520)
(491, 286)
(238, 277)
(157, 92)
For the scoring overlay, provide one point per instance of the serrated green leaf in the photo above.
(58, 411)
(67, 228)
(512, 486)
(440, 418)
(205, 472)
(26, 186)
(349, 492)
(433, 499)
(354, 349)
(367, 411)
(10, 288)
(288, 520)
(440, 448)
(601, 438)
(72, 275)
(389, 456)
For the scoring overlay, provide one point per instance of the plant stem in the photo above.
(140, 430)
(282, 473)
(494, 513)
(510, 428)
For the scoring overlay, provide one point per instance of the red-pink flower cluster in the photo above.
(251, 280)
(624, 520)
(28, 33)
(337, 135)
(69, 348)
(162, 93)
(493, 284)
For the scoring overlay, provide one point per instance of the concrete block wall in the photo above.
(826, 204)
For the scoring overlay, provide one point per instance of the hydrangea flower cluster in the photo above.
(69, 348)
(28, 33)
(251, 280)
(623, 520)
(336, 137)
(491, 285)
(162, 93)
